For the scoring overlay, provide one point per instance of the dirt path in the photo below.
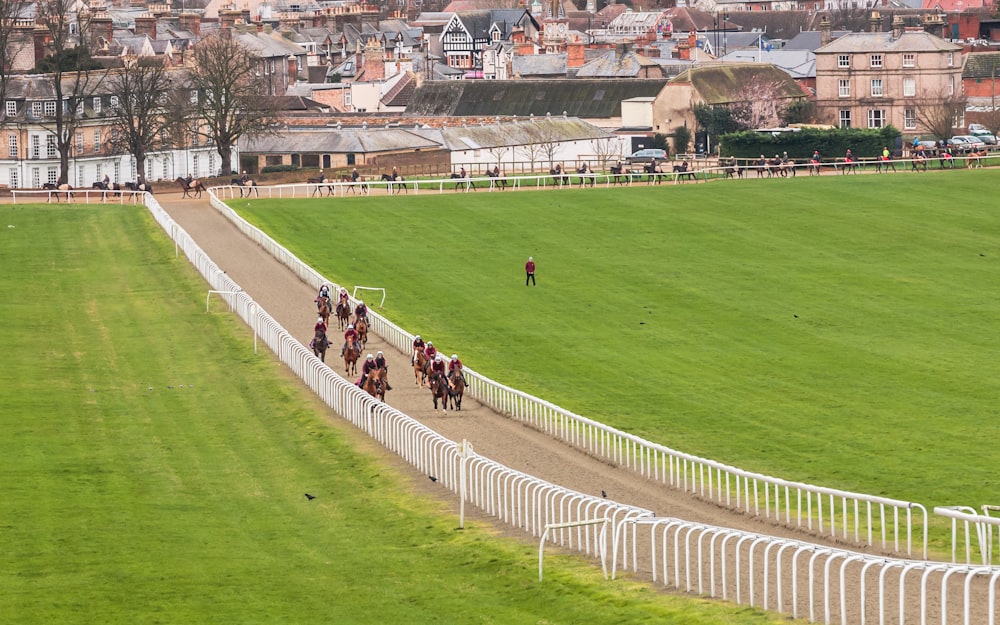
(290, 302)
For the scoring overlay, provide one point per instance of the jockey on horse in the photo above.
(361, 311)
(351, 335)
(380, 363)
(366, 369)
(454, 370)
(430, 352)
(418, 347)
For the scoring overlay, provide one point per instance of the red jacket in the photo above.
(430, 352)
(454, 365)
(351, 335)
(529, 266)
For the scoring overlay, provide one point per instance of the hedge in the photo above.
(275, 168)
(832, 143)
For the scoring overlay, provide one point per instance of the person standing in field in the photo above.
(529, 270)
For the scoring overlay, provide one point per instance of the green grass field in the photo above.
(153, 468)
(839, 331)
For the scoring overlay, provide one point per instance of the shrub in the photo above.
(275, 168)
(830, 143)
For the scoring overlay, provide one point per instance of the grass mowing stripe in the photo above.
(127, 501)
(828, 330)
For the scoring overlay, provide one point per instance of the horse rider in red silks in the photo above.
(454, 369)
(320, 326)
(430, 351)
(350, 335)
(438, 366)
(344, 300)
(418, 346)
(380, 363)
(367, 369)
(361, 311)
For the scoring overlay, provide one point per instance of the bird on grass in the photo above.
(432, 478)
(310, 497)
(604, 494)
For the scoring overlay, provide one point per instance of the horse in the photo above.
(56, 189)
(395, 181)
(438, 385)
(620, 173)
(559, 177)
(375, 384)
(139, 187)
(732, 168)
(100, 184)
(351, 359)
(462, 179)
(195, 186)
(655, 171)
(814, 167)
(919, 162)
(419, 362)
(361, 325)
(456, 389)
(848, 166)
(360, 183)
(324, 307)
(319, 345)
(319, 182)
(343, 315)
(498, 179)
(249, 185)
(974, 159)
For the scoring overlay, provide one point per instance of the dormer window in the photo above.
(11, 108)
(97, 106)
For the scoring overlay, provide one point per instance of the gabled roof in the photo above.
(333, 141)
(520, 132)
(908, 41)
(722, 84)
(538, 65)
(402, 92)
(613, 65)
(982, 65)
(578, 97)
(684, 19)
(811, 39)
(798, 64)
(269, 45)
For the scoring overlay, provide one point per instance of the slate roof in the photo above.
(799, 64)
(884, 42)
(721, 84)
(613, 65)
(981, 65)
(522, 132)
(334, 141)
(587, 98)
(810, 39)
(539, 65)
(402, 92)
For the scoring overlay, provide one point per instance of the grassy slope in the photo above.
(838, 331)
(127, 501)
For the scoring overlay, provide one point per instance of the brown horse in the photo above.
(195, 187)
(456, 389)
(419, 362)
(439, 390)
(319, 345)
(56, 189)
(323, 306)
(343, 315)
(376, 384)
(361, 325)
(351, 359)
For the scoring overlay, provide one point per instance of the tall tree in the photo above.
(140, 118)
(232, 101)
(75, 76)
(10, 45)
(756, 104)
(942, 113)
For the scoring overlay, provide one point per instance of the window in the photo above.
(844, 88)
(909, 119)
(845, 118)
(11, 108)
(194, 96)
(52, 175)
(97, 141)
(12, 145)
(118, 170)
(50, 146)
(166, 172)
(951, 59)
(843, 60)
(36, 109)
(876, 87)
(951, 85)
(909, 87)
(113, 101)
(876, 118)
(348, 105)
(909, 60)
(50, 108)
(194, 167)
(36, 147)
(79, 107)
(81, 175)
(98, 170)
(875, 60)
(211, 164)
(36, 177)
(97, 106)
(79, 143)
(14, 179)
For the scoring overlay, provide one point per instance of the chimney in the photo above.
(897, 26)
(934, 24)
(41, 40)
(101, 26)
(228, 17)
(875, 21)
(190, 22)
(574, 53)
(374, 65)
(293, 69)
(824, 31)
(684, 50)
(692, 40)
(145, 24)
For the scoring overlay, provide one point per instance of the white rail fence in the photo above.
(865, 519)
(827, 584)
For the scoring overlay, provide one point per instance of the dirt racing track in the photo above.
(873, 579)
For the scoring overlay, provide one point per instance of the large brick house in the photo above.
(871, 80)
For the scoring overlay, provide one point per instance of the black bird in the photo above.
(604, 494)
(432, 478)
(310, 497)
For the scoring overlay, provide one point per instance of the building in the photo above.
(870, 80)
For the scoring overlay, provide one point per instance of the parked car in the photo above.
(966, 143)
(983, 135)
(647, 155)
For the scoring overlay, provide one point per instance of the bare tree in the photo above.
(232, 101)
(606, 149)
(139, 121)
(942, 114)
(498, 152)
(852, 16)
(756, 104)
(75, 76)
(533, 152)
(10, 44)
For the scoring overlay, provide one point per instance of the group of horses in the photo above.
(352, 351)
(446, 389)
(57, 190)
